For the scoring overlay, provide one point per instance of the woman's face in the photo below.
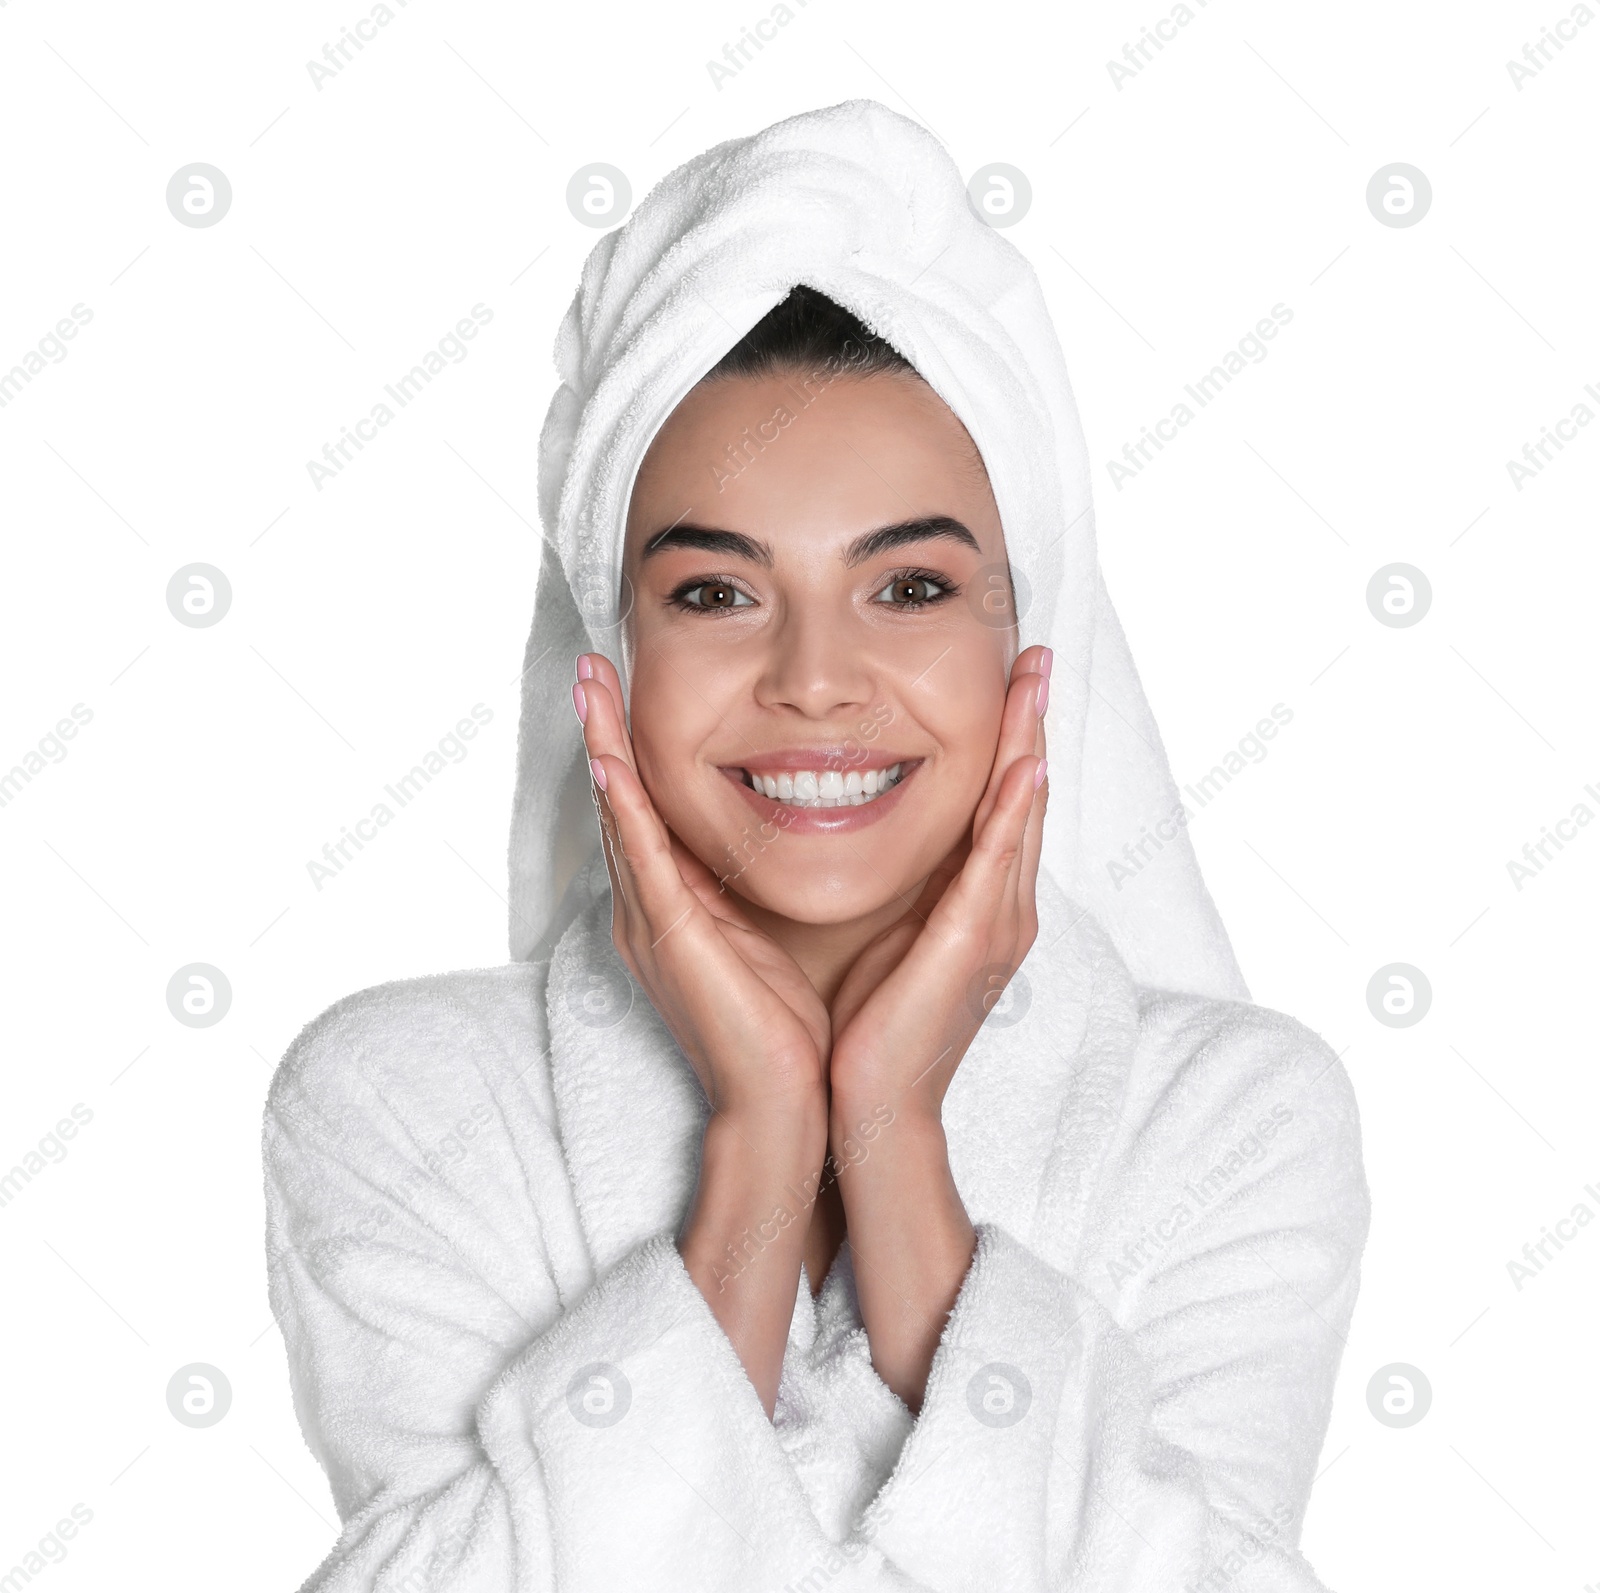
(818, 594)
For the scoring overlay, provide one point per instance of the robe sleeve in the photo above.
(490, 1415)
(1153, 1423)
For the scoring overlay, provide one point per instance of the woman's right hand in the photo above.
(741, 1009)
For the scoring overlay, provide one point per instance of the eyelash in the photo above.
(679, 597)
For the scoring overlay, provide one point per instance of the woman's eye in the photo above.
(718, 594)
(912, 591)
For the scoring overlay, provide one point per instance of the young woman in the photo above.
(869, 1173)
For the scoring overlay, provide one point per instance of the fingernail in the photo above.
(1044, 693)
(581, 707)
(585, 668)
(599, 773)
(1038, 774)
(1045, 662)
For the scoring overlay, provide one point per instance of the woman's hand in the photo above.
(741, 1009)
(753, 1028)
(918, 994)
(903, 1019)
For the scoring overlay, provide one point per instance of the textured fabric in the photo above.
(513, 1384)
(865, 206)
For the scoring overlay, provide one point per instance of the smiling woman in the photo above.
(875, 1193)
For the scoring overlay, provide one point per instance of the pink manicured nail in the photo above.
(1044, 693)
(599, 773)
(1038, 774)
(581, 707)
(1045, 662)
(585, 668)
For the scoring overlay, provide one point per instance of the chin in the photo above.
(820, 898)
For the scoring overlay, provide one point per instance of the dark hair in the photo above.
(809, 332)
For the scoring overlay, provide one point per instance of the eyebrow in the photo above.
(869, 545)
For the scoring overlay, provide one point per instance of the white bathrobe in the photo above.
(475, 1181)
(513, 1383)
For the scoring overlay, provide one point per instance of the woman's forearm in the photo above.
(746, 1231)
(911, 1241)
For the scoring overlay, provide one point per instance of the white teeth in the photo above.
(826, 788)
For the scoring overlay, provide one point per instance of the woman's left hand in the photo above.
(918, 994)
(902, 1021)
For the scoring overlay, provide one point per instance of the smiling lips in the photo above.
(811, 796)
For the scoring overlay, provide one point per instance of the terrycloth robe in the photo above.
(512, 1382)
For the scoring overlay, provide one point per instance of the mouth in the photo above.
(825, 788)
(812, 797)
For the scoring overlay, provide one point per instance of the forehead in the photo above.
(811, 458)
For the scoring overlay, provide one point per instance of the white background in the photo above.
(1168, 216)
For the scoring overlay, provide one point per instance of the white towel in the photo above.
(474, 1181)
(865, 206)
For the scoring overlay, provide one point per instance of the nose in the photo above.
(814, 667)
